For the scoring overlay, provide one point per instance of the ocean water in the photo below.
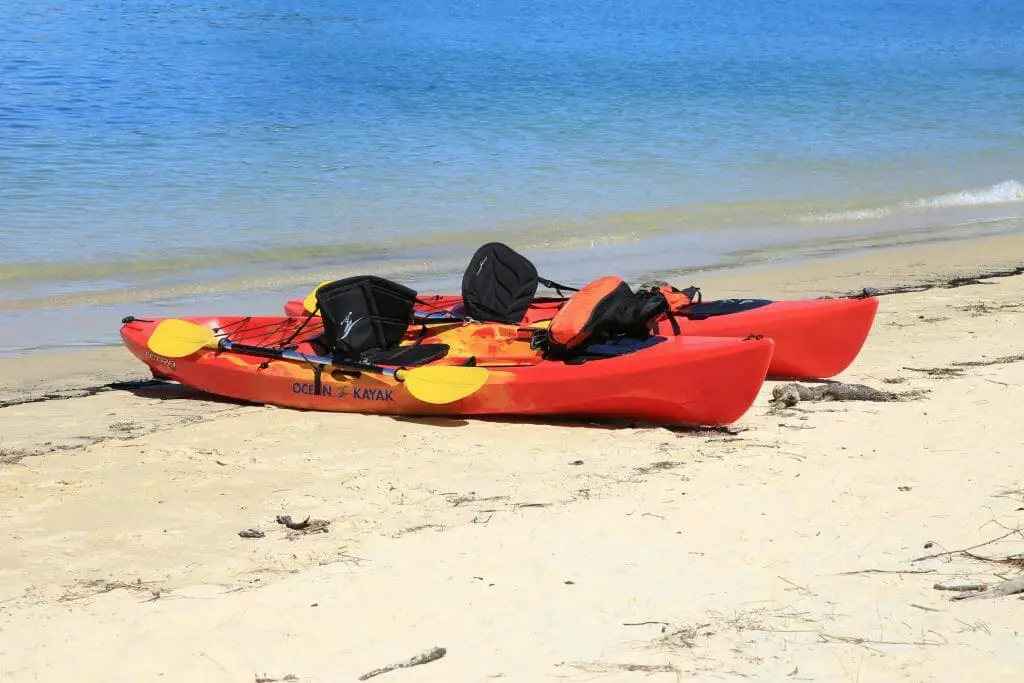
(178, 155)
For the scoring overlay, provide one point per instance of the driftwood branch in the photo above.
(424, 657)
(788, 395)
(1011, 587)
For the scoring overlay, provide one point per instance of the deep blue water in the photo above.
(156, 148)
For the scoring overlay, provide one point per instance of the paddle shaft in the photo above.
(224, 344)
(323, 360)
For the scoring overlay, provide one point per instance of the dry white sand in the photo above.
(534, 551)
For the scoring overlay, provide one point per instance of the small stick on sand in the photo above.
(856, 640)
(888, 571)
(424, 657)
(961, 587)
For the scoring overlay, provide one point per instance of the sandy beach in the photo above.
(805, 543)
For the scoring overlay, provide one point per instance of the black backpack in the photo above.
(602, 311)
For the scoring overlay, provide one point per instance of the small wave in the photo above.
(1006, 192)
(858, 215)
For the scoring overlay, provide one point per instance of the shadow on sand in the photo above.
(164, 390)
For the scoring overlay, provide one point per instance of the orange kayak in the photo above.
(677, 380)
(814, 338)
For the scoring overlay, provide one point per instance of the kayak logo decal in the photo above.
(309, 389)
(340, 392)
(347, 324)
(372, 394)
(361, 394)
(160, 359)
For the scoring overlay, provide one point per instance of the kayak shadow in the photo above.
(164, 390)
(805, 380)
(568, 422)
(431, 420)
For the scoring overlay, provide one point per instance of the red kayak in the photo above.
(814, 338)
(676, 380)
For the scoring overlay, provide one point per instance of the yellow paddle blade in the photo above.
(309, 303)
(179, 338)
(443, 383)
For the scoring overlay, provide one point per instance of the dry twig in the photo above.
(948, 553)
(607, 667)
(424, 657)
(961, 587)
(888, 571)
(856, 640)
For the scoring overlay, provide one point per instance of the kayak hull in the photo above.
(814, 338)
(676, 381)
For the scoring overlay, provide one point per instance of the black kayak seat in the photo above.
(498, 285)
(708, 309)
(365, 319)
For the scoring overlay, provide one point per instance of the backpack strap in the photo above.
(551, 284)
(678, 300)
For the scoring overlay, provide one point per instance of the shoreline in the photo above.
(768, 275)
(55, 374)
(702, 235)
(811, 538)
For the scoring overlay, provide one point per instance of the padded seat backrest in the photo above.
(364, 313)
(498, 284)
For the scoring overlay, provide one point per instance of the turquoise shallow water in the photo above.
(172, 150)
